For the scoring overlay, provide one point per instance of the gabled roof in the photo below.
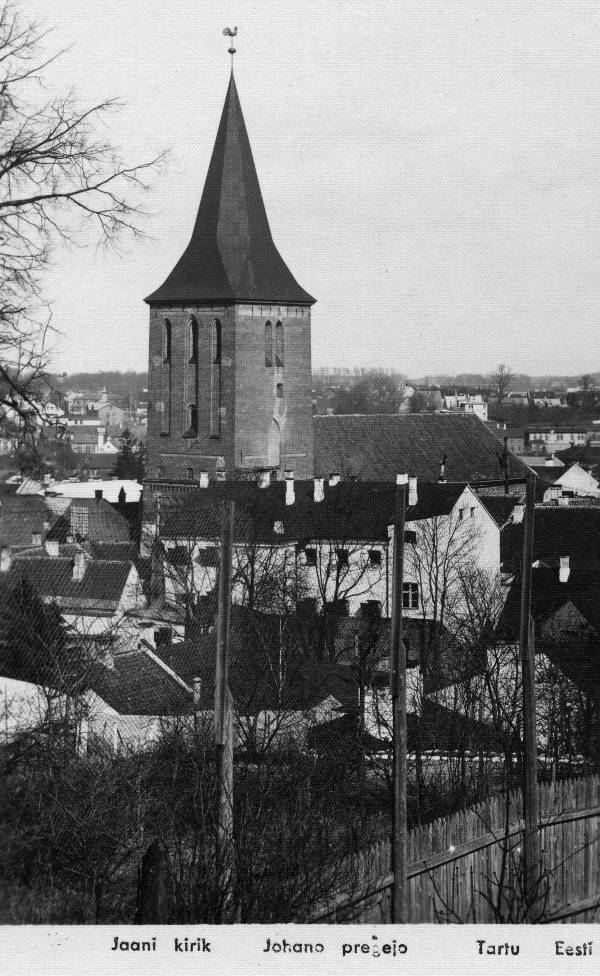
(138, 684)
(557, 532)
(354, 511)
(231, 256)
(101, 521)
(100, 590)
(20, 517)
(380, 446)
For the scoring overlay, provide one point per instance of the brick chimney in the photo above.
(79, 565)
(36, 538)
(334, 479)
(290, 496)
(413, 497)
(263, 478)
(52, 547)
(5, 559)
(565, 570)
(319, 492)
(204, 479)
(101, 436)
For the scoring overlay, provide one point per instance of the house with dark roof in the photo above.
(330, 541)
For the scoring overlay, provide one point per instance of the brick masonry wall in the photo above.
(249, 401)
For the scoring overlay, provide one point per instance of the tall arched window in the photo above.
(216, 341)
(167, 341)
(193, 339)
(280, 391)
(192, 418)
(279, 344)
(268, 344)
(165, 391)
(215, 381)
(274, 445)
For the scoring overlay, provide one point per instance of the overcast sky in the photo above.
(430, 170)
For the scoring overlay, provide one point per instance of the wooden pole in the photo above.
(532, 866)
(398, 692)
(223, 714)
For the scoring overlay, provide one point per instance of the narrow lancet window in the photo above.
(193, 339)
(279, 344)
(268, 344)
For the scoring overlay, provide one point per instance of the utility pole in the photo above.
(532, 863)
(398, 693)
(223, 720)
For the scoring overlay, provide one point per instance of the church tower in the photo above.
(229, 368)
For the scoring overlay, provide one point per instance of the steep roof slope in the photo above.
(380, 446)
(231, 255)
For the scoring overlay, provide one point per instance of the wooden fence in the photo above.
(466, 868)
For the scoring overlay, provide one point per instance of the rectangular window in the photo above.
(310, 557)
(375, 557)
(473, 512)
(461, 514)
(410, 596)
(342, 557)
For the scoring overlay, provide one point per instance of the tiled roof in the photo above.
(20, 517)
(586, 456)
(231, 255)
(138, 684)
(350, 511)
(500, 507)
(382, 446)
(101, 522)
(557, 532)
(100, 589)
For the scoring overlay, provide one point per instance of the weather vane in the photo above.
(229, 32)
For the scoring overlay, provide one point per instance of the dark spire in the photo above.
(231, 256)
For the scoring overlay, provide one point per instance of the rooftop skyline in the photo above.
(430, 173)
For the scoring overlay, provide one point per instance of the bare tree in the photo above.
(57, 178)
(501, 381)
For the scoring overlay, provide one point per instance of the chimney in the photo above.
(197, 686)
(442, 477)
(98, 494)
(334, 479)
(565, 570)
(518, 513)
(290, 496)
(264, 478)
(101, 434)
(204, 479)
(36, 538)
(413, 497)
(5, 559)
(221, 476)
(79, 565)
(52, 547)
(319, 485)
